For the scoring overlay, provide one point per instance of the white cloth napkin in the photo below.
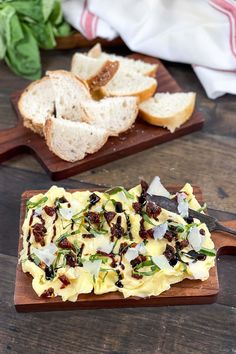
(198, 32)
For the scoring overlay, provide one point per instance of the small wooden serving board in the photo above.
(183, 293)
(140, 137)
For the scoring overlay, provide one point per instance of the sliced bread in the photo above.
(69, 92)
(36, 103)
(126, 83)
(129, 64)
(116, 114)
(96, 72)
(72, 141)
(169, 110)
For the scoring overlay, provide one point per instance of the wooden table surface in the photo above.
(206, 158)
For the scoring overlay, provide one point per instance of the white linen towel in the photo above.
(198, 32)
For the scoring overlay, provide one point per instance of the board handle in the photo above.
(225, 243)
(11, 142)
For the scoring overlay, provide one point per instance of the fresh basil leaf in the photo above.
(147, 219)
(30, 205)
(208, 252)
(118, 189)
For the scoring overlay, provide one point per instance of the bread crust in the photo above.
(172, 122)
(142, 95)
(105, 74)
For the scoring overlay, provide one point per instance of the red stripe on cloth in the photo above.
(82, 15)
(229, 9)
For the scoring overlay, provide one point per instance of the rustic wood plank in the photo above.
(140, 137)
(181, 329)
(186, 292)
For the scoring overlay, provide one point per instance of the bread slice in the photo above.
(71, 141)
(69, 92)
(128, 64)
(96, 72)
(169, 110)
(126, 83)
(115, 114)
(36, 103)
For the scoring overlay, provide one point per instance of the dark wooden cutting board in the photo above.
(183, 293)
(141, 136)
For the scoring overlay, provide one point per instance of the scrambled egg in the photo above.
(76, 243)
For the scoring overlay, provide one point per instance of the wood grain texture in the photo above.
(204, 158)
(185, 292)
(141, 136)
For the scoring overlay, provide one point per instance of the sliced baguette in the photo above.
(129, 64)
(96, 72)
(116, 114)
(36, 103)
(168, 110)
(69, 92)
(72, 141)
(126, 83)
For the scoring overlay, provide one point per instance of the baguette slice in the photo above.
(69, 92)
(96, 72)
(169, 110)
(116, 114)
(71, 141)
(36, 103)
(129, 64)
(126, 83)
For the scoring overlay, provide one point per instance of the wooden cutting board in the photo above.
(141, 136)
(183, 293)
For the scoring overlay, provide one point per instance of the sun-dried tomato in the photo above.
(71, 260)
(93, 217)
(137, 207)
(136, 276)
(136, 261)
(93, 199)
(65, 281)
(65, 244)
(123, 248)
(39, 231)
(88, 235)
(144, 187)
(48, 293)
(50, 211)
(182, 244)
(109, 216)
(117, 230)
(153, 210)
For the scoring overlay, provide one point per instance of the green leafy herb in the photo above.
(149, 263)
(208, 252)
(118, 189)
(35, 259)
(65, 235)
(97, 256)
(30, 205)
(147, 219)
(204, 207)
(26, 26)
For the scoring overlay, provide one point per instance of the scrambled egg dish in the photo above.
(118, 240)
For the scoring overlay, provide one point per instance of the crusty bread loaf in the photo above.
(69, 92)
(116, 114)
(169, 110)
(128, 64)
(126, 83)
(36, 103)
(96, 72)
(71, 141)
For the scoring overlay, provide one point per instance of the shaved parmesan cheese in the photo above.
(198, 271)
(156, 188)
(133, 252)
(162, 262)
(182, 204)
(160, 230)
(38, 211)
(46, 254)
(195, 238)
(68, 213)
(106, 247)
(93, 267)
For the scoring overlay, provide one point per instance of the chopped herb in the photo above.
(104, 277)
(147, 219)
(204, 207)
(149, 263)
(30, 205)
(118, 189)
(208, 252)
(35, 259)
(65, 235)
(96, 256)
